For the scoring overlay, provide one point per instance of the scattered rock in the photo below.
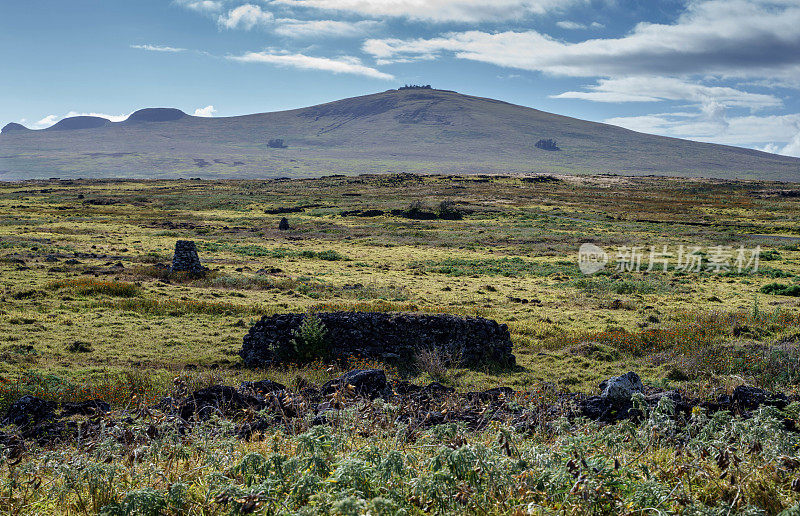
(29, 411)
(365, 382)
(262, 387)
(748, 398)
(217, 399)
(85, 408)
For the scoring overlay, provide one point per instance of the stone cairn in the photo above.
(186, 258)
(391, 337)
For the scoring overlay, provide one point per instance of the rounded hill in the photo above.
(13, 126)
(156, 115)
(79, 122)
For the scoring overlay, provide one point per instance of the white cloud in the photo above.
(207, 111)
(654, 89)
(321, 28)
(349, 65)
(756, 38)
(780, 133)
(438, 10)
(47, 121)
(793, 147)
(158, 48)
(570, 25)
(208, 6)
(50, 120)
(246, 17)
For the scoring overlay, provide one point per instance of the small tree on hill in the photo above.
(548, 144)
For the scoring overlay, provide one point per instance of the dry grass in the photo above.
(95, 287)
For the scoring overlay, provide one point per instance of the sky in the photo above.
(720, 71)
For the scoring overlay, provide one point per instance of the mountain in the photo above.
(407, 130)
(79, 122)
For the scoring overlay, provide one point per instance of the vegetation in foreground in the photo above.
(88, 312)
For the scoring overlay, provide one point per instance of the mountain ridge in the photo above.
(407, 130)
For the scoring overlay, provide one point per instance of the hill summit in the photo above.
(413, 129)
(13, 126)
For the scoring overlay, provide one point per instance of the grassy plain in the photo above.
(88, 311)
(512, 258)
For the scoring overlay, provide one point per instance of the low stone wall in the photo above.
(391, 337)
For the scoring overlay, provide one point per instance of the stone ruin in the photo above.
(390, 337)
(186, 258)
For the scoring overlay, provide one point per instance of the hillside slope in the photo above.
(415, 130)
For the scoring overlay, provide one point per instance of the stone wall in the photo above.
(391, 337)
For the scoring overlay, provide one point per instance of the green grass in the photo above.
(75, 326)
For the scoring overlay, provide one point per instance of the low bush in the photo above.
(310, 340)
(95, 287)
(779, 289)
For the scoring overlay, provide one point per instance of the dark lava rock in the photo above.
(748, 398)
(365, 382)
(85, 408)
(29, 411)
(262, 387)
(603, 409)
(491, 395)
(217, 399)
(48, 432)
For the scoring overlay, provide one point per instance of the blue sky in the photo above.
(722, 71)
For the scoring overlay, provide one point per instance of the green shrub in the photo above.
(779, 289)
(310, 339)
(94, 287)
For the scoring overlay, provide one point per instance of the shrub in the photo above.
(92, 287)
(548, 144)
(310, 339)
(448, 211)
(779, 289)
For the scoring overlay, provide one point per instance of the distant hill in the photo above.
(407, 130)
(79, 122)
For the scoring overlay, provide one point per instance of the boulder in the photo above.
(365, 382)
(217, 399)
(85, 408)
(283, 225)
(747, 398)
(262, 387)
(29, 411)
(619, 389)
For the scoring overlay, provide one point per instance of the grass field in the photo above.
(88, 311)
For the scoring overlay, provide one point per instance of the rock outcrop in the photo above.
(392, 337)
